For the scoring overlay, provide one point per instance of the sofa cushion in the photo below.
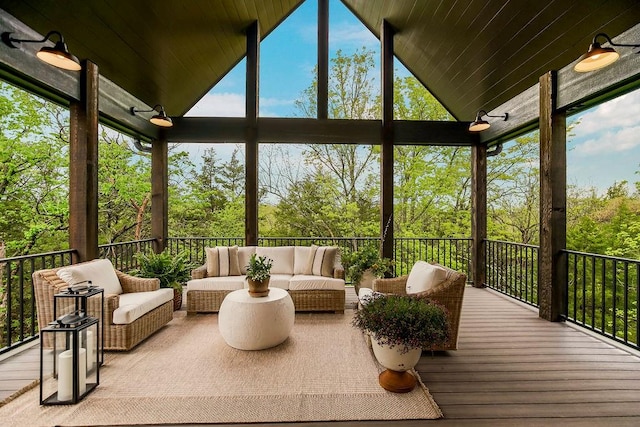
(222, 261)
(324, 260)
(424, 276)
(303, 259)
(305, 282)
(134, 305)
(244, 254)
(279, 281)
(99, 271)
(229, 283)
(282, 257)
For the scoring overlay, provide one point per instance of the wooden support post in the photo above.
(323, 59)
(386, 160)
(479, 214)
(251, 135)
(552, 269)
(83, 167)
(160, 192)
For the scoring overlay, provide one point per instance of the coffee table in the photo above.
(249, 323)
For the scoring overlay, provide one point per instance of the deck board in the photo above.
(511, 369)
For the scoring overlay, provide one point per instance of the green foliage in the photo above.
(259, 268)
(367, 258)
(403, 320)
(172, 270)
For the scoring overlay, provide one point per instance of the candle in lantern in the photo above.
(91, 357)
(65, 374)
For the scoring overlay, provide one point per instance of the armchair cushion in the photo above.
(424, 276)
(100, 272)
(135, 305)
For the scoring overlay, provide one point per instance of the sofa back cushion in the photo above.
(244, 254)
(222, 261)
(100, 272)
(282, 257)
(424, 276)
(324, 261)
(303, 259)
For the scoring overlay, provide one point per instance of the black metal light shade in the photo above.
(58, 55)
(597, 56)
(479, 124)
(161, 119)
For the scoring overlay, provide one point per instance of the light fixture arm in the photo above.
(483, 113)
(158, 108)
(10, 41)
(611, 42)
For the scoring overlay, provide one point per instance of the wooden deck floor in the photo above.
(511, 369)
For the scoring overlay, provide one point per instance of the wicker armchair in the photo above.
(116, 336)
(448, 293)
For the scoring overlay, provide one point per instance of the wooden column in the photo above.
(323, 59)
(479, 214)
(552, 271)
(251, 135)
(386, 158)
(83, 167)
(160, 192)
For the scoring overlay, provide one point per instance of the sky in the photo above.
(603, 148)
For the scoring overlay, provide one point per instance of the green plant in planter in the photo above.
(367, 258)
(259, 268)
(403, 320)
(172, 270)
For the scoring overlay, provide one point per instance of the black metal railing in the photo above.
(17, 304)
(123, 254)
(602, 295)
(512, 269)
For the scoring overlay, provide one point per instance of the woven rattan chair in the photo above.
(448, 293)
(116, 336)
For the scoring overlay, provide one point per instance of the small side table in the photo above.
(89, 302)
(249, 323)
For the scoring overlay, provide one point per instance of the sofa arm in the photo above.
(137, 284)
(200, 272)
(111, 302)
(395, 285)
(338, 273)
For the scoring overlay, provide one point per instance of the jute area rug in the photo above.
(186, 373)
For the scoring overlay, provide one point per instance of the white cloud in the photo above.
(620, 112)
(219, 105)
(611, 141)
(344, 35)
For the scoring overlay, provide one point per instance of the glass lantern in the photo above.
(69, 360)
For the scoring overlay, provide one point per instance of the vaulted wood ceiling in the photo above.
(471, 54)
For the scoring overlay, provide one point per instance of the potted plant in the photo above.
(172, 270)
(364, 265)
(400, 326)
(258, 275)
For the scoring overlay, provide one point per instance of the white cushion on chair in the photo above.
(99, 271)
(136, 304)
(424, 276)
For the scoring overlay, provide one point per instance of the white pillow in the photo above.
(100, 272)
(282, 257)
(303, 259)
(424, 276)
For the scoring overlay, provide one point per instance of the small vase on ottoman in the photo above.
(258, 275)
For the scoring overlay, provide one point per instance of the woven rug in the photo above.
(186, 373)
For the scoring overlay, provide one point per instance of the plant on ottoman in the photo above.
(400, 326)
(258, 275)
(172, 270)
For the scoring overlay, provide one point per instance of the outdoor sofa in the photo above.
(312, 275)
(134, 308)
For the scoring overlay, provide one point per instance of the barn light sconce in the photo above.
(58, 55)
(161, 119)
(599, 57)
(478, 125)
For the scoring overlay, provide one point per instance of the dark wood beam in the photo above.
(478, 214)
(251, 134)
(387, 149)
(552, 269)
(160, 193)
(323, 59)
(83, 167)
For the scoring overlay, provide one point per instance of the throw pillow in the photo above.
(324, 260)
(222, 261)
(100, 272)
(424, 276)
(303, 259)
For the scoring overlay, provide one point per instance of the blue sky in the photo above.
(604, 147)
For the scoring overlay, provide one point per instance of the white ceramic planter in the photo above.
(391, 358)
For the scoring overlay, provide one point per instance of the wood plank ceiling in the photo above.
(471, 54)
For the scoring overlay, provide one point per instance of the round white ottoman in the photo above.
(248, 323)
